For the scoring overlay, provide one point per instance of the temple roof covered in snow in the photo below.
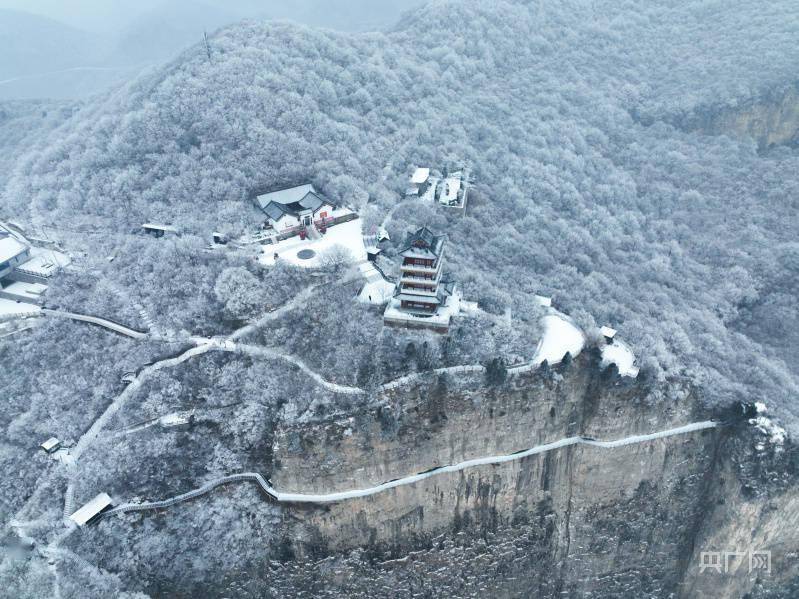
(424, 243)
(293, 201)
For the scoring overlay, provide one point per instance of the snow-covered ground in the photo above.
(44, 262)
(776, 434)
(11, 308)
(377, 290)
(30, 291)
(620, 354)
(561, 335)
(346, 235)
(470, 308)
(450, 188)
(430, 193)
(441, 318)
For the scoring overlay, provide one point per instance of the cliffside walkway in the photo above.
(282, 497)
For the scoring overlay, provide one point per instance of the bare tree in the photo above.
(336, 258)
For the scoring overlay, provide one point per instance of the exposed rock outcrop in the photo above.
(583, 521)
(771, 119)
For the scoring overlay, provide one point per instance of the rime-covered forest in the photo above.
(576, 118)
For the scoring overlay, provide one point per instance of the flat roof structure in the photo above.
(607, 332)
(11, 247)
(421, 175)
(51, 445)
(157, 227)
(449, 190)
(92, 509)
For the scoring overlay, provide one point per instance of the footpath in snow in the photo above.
(108, 324)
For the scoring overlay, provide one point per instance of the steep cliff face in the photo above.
(584, 521)
(771, 120)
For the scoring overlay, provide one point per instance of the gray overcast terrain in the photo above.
(77, 48)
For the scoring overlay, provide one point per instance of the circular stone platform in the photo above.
(306, 254)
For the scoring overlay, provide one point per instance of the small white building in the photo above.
(89, 512)
(157, 230)
(13, 253)
(450, 190)
(420, 176)
(296, 208)
(421, 182)
(51, 445)
(608, 333)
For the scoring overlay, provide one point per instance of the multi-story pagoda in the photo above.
(422, 262)
(421, 297)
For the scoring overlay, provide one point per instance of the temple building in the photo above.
(421, 297)
(422, 262)
(291, 210)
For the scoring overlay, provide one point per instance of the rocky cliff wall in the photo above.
(579, 521)
(770, 120)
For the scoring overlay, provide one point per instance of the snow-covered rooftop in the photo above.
(159, 227)
(287, 196)
(442, 317)
(91, 509)
(31, 291)
(608, 332)
(420, 176)
(51, 444)
(449, 190)
(44, 263)
(10, 247)
(10, 308)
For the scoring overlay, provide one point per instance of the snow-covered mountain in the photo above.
(492, 468)
(45, 58)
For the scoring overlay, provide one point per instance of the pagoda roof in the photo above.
(424, 242)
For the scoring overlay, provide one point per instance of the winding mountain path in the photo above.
(282, 497)
(90, 435)
(264, 352)
(103, 322)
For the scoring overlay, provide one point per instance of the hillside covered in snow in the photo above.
(685, 242)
